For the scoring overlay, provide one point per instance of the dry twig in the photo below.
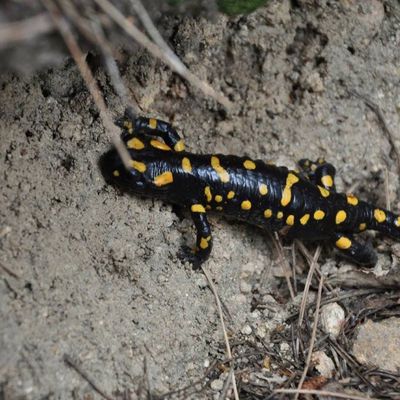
(71, 363)
(221, 317)
(13, 32)
(323, 393)
(313, 336)
(381, 118)
(78, 56)
(157, 52)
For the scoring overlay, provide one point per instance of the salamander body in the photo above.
(303, 205)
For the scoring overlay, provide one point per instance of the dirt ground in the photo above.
(97, 275)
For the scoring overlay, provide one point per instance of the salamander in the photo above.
(300, 204)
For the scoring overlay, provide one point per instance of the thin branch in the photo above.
(313, 336)
(283, 263)
(13, 32)
(89, 79)
(381, 118)
(155, 50)
(71, 363)
(323, 393)
(221, 317)
(308, 284)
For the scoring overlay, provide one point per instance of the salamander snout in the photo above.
(115, 173)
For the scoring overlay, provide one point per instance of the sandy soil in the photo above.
(98, 276)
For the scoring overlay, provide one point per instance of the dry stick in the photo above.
(381, 118)
(71, 363)
(313, 335)
(154, 33)
(387, 189)
(309, 258)
(88, 77)
(308, 284)
(155, 50)
(96, 35)
(283, 262)
(221, 317)
(26, 29)
(9, 271)
(113, 71)
(323, 393)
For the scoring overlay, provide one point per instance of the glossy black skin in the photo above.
(188, 188)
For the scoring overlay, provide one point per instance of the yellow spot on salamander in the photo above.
(351, 199)
(139, 166)
(164, 179)
(397, 222)
(135, 143)
(198, 208)
(287, 191)
(268, 213)
(327, 180)
(324, 192)
(319, 214)
(218, 198)
(279, 215)
(152, 123)
(207, 192)
(186, 165)
(248, 164)
(159, 145)
(290, 220)
(208, 207)
(222, 173)
(263, 188)
(304, 219)
(362, 226)
(203, 243)
(116, 173)
(246, 205)
(379, 215)
(340, 217)
(343, 243)
(230, 195)
(179, 146)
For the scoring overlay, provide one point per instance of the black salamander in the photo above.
(303, 205)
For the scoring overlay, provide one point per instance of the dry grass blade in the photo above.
(89, 79)
(313, 336)
(73, 364)
(9, 271)
(381, 118)
(27, 29)
(221, 317)
(283, 263)
(157, 52)
(323, 393)
(308, 284)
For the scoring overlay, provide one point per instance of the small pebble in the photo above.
(332, 319)
(323, 364)
(217, 385)
(246, 330)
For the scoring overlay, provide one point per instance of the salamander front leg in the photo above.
(357, 252)
(319, 172)
(153, 127)
(201, 252)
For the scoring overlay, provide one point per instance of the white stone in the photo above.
(332, 318)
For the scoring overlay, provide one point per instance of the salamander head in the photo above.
(146, 174)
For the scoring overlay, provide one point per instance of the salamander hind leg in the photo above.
(201, 252)
(319, 172)
(357, 252)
